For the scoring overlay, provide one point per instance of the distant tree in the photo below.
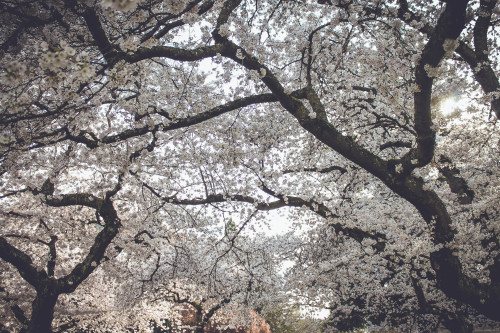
(285, 319)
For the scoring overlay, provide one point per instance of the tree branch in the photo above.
(449, 26)
(284, 201)
(172, 53)
(22, 262)
(95, 28)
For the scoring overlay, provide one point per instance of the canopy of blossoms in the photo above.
(147, 148)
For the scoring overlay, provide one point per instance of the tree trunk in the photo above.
(42, 312)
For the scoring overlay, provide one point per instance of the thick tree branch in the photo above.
(173, 53)
(449, 26)
(96, 29)
(91, 140)
(284, 201)
(478, 59)
(81, 271)
(27, 22)
(112, 223)
(319, 170)
(457, 184)
(22, 262)
(482, 70)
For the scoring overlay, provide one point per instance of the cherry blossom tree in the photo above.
(143, 143)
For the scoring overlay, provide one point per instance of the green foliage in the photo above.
(286, 319)
(230, 228)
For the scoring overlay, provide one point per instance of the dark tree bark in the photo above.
(43, 310)
(46, 286)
